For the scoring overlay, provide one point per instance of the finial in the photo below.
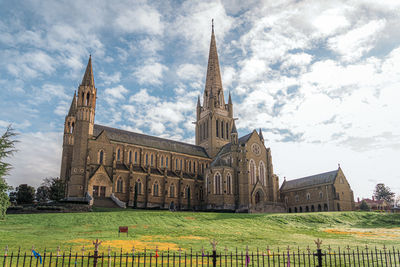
(212, 25)
(338, 165)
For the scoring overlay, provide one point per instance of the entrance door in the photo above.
(95, 191)
(102, 191)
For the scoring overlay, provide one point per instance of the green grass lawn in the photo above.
(193, 230)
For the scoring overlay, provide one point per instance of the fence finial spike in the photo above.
(318, 242)
(288, 248)
(384, 247)
(214, 244)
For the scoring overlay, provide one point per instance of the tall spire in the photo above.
(229, 99)
(88, 79)
(72, 108)
(213, 79)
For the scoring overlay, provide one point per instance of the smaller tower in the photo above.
(85, 111)
(234, 134)
(68, 141)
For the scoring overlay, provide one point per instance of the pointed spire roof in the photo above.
(88, 79)
(230, 99)
(261, 135)
(213, 79)
(198, 101)
(72, 108)
(234, 128)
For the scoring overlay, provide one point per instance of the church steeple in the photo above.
(214, 118)
(72, 108)
(88, 79)
(213, 80)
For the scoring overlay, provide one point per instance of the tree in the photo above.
(7, 148)
(42, 193)
(364, 206)
(25, 194)
(383, 192)
(56, 188)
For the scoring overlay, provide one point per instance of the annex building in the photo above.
(221, 171)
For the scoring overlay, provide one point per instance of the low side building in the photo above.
(374, 204)
(329, 191)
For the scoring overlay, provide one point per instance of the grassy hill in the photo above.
(194, 230)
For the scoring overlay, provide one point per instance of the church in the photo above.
(220, 172)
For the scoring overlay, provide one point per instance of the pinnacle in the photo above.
(260, 134)
(72, 108)
(88, 79)
(213, 79)
(234, 128)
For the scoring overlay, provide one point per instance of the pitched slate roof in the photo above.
(322, 178)
(150, 141)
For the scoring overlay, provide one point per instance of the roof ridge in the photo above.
(152, 136)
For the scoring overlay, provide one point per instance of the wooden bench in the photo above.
(123, 229)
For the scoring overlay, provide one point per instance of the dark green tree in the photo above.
(25, 194)
(56, 188)
(364, 206)
(42, 193)
(383, 192)
(7, 148)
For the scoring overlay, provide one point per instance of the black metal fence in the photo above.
(368, 257)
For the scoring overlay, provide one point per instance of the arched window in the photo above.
(222, 129)
(190, 166)
(72, 127)
(172, 190)
(187, 192)
(206, 184)
(139, 187)
(135, 157)
(176, 164)
(151, 160)
(296, 198)
(166, 162)
(101, 157)
(162, 162)
(87, 99)
(155, 189)
(118, 154)
(262, 173)
(252, 169)
(83, 98)
(217, 127)
(227, 130)
(120, 185)
(308, 196)
(321, 195)
(130, 157)
(147, 160)
(194, 166)
(229, 183)
(217, 183)
(181, 165)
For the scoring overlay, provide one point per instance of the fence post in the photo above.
(96, 252)
(319, 254)
(214, 253)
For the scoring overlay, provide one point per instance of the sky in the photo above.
(320, 78)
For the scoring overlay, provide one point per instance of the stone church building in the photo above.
(222, 171)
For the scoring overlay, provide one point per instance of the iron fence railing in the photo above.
(366, 257)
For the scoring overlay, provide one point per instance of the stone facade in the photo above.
(220, 172)
(328, 191)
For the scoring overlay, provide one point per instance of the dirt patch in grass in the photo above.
(125, 245)
(368, 233)
(190, 218)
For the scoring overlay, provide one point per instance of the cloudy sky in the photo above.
(321, 78)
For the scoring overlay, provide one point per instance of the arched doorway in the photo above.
(338, 206)
(301, 209)
(307, 209)
(325, 207)
(319, 207)
(295, 209)
(312, 208)
(290, 210)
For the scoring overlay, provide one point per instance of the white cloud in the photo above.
(150, 73)
(190, 71)
(109, 79)
(115, 93)
(355, 43)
